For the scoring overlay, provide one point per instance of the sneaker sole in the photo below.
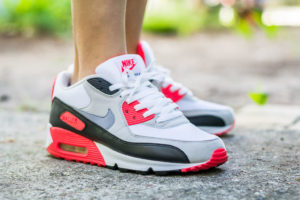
(70, 146)
(219, 131)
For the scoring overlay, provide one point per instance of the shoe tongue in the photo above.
(145, 51)
(112, 69)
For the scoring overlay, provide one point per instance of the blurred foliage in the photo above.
(245, 20)
(250, 20)
(174, 18)
(178, 17)
(32, 17)
(291, 2)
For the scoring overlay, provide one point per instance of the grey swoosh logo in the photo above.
(105, 122)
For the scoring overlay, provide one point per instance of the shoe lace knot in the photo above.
(139, 88)
(162, 75)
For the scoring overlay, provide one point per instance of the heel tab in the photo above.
(61, 79)
(53, 86)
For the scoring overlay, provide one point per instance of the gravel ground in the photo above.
(264, 160)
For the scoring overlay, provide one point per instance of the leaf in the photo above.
(259, 97)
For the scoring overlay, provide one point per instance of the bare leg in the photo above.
(99, 33)
(135, 10)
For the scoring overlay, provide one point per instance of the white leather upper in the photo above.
(74, 95)
(183, 132)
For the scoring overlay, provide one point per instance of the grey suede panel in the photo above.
(101, 103)
(105, 122)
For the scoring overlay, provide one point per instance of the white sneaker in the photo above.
(116, 118)
(210, 117)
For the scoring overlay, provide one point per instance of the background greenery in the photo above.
(33, 17)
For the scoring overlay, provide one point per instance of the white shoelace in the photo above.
(140, 89)
(162, 75)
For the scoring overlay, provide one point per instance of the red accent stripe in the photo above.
(218, 157)
(175, 96)
(72, 120)
(132, 116)
(62, 136)
(141, 52)
(53, 86)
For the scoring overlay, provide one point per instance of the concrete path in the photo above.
(264, 149)
(264, 163)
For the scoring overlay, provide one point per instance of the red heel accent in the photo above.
(218, 157)
(64, 139)
(175, 96)
(141, 52)
(226, 131)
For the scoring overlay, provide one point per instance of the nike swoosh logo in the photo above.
(105, 122)
(133, 65)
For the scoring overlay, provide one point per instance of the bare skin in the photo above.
(99, 33)
(103, 29)
(135, 10)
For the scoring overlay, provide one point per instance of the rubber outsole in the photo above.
(94, 157)
(218, 158)
(226, 131)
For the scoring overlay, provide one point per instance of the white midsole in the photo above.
(214, 129)
(48, 137)
(112, 157)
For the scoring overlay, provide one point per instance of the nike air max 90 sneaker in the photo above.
(116, 118)
(210, 117)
